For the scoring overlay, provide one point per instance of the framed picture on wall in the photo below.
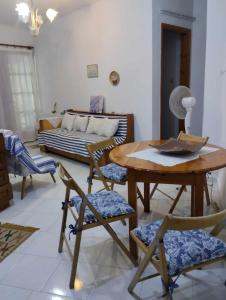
(92, 71)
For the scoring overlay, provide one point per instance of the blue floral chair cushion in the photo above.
(183, 248)
(114, 172)
(107, 203)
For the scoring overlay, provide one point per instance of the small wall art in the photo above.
(92, 71)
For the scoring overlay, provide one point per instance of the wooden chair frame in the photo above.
(108, 145)
(70, 184)
(159, 262)
(189, 138)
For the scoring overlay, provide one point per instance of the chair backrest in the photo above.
(189, 223)
(191, 138)
(97, 150)
(69, 182)
(17, 151)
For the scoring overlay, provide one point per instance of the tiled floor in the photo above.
(35, 271)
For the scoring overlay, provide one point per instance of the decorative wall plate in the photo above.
(114, 78)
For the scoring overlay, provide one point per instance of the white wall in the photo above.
(198, 55)
(214, 121)
(16, 35)
(115, 34)
(214, 110)
(196, 8)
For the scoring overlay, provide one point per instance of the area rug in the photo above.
(11, 236)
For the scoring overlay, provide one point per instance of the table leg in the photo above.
(197, 195)
(132, 199)
(147, 197)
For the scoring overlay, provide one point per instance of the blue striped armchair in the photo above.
(21, 163)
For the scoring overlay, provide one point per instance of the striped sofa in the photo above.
(73, 144)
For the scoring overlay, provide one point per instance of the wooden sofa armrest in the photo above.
(47, 124)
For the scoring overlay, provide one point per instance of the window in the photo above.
(21, 89)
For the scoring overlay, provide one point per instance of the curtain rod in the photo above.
(17, 46)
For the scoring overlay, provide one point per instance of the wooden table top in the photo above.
(209, 162)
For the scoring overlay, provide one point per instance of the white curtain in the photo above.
(19, 104)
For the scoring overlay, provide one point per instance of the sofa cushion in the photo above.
(80, 123)
(68, 121)
(95, 125)
(109, 127)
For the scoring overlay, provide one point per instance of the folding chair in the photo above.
(110, 173)
(177, 245)
(90, 211)
(188, 138)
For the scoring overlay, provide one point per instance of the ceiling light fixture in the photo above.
(30, 15)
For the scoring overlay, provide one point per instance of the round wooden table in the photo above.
(190, 173)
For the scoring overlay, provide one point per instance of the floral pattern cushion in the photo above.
(107, 203)
(114, 172)
(183, 248)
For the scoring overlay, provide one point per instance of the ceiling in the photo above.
(8, 14)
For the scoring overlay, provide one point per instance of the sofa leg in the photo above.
(43, 149)
(54, 180)
(23, 187)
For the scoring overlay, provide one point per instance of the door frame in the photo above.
(185, 64)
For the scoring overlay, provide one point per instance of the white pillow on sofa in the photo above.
(80, 123)
(68, 121)
(109, 127)
(95, 125)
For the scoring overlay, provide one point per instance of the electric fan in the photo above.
(181, 104)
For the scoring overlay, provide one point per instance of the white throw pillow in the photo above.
(68, 121)
(109, 128)
(80, 123)
(95, 125)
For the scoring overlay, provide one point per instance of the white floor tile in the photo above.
(9, 263)
(45, 296)
(31, 272)
(41, 244)
(58, 283)
(12, 293)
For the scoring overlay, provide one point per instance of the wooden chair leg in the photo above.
(89, 187)
(153, 190)
(140, 196)
(182, 188)
(206, 192)
(112, 186)
(54, 180)
(62, 231)
(75, 259)
(23, 187)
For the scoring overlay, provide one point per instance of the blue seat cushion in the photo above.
(107, 203)
(183, 248)
(114, 172)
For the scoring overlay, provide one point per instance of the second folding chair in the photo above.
(109, 173)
